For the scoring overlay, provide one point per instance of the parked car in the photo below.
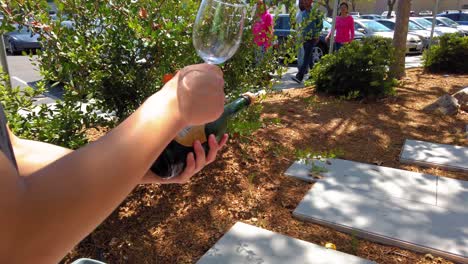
(385, 13)
(459, 16)
(355, 15)
(283, 29)
(371, 16)
(372, 28)
(413, 28)
(447, 22)
(428, 25)
(21, 39)
(425, 13)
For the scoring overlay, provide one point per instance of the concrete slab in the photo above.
(377, 180)
(453, 195)
(435, 155)
(399, 222)
(252, 245)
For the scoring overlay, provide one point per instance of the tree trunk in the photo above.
(353, 5)
(397, 69)
(391, 4)
(326, 4)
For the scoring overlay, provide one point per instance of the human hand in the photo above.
(198, 90)
(193, 165)
(327, 38)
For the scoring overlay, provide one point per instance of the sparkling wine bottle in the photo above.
(172, 160)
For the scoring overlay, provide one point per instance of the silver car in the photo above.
(428, 25)
(447, 22)
(371, 28)
(413, 28)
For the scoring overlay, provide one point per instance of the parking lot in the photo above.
(22, 71)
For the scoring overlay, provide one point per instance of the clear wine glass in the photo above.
(217, 32)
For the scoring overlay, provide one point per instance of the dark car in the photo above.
(21, 39)
(459, 16)
(283, 29)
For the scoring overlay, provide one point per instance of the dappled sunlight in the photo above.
(435, 155)
(386, 219)
(249, 244)
(247, 182)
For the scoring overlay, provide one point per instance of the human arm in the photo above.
(46, 213)
(351, 26)
(32, 156)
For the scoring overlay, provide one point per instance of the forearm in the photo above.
(32, 156)
(92, 180)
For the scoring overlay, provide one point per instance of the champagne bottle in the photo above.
(172, 160)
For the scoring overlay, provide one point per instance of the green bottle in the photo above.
(172, 160)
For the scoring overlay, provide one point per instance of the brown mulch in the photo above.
(178, 224)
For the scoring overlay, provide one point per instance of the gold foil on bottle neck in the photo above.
(251, 96)
(189, 135)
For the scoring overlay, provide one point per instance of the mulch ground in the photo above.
(179, 223)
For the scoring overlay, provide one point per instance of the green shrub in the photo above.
(450, 55)
(359, 69)
(118, 51)
(64, 123)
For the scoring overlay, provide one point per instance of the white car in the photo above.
(428, 25)
(413, 28)
(447, 22)
(385, 13)
(371, 28)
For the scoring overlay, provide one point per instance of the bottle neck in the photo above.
(237, 105)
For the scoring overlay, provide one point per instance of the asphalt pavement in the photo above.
(23, 74)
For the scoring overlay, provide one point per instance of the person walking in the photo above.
(313, 21)
(300, 52)
(344, 28)
(262, 29)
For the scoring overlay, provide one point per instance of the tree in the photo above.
(288, 4)
(397, 69)
(327, 4)
(391, 4)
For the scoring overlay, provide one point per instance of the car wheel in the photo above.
(317, 53)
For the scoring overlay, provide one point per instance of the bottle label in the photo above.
(188, 135)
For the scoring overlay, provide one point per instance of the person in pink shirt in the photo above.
(262, 29)
(344, 27)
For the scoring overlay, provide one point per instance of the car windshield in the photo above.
(423, 22)
(327, 25)
(414, 26)
(376, 26)
(448, 21)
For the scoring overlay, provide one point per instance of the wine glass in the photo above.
(217, 32)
